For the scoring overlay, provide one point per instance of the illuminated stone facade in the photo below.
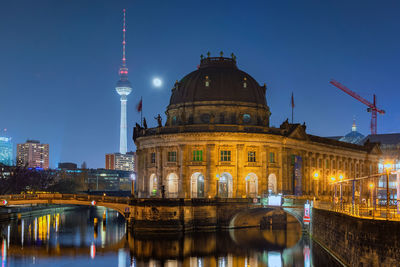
(217, 142)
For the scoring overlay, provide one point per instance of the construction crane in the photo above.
(371, 106)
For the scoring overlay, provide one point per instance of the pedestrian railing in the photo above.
(362, 211)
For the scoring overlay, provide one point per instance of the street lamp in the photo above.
(333, 179)
(316, 176)
(341, 191)
(388, 167)
(371, 187)
(133, 179)
(217, 185)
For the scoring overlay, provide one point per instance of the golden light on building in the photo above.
(218, 122)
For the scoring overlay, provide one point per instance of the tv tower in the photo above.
(123, 88)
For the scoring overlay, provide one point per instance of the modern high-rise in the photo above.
(123, 162)
(123, 88)
(6, 150)
(33, 154)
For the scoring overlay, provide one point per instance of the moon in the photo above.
(157, 82)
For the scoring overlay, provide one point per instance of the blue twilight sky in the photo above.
(59, 63)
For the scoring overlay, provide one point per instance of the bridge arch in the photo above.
(120, 204)
(252, 217)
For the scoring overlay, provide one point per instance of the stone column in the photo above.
(239, 189)
(210, 179)
(183, 189)
(159, 171)
(263, 182)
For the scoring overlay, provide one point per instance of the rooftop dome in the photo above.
(218, 79)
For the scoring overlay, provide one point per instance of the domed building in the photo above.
(217, 142)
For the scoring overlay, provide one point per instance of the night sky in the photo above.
(59, 63)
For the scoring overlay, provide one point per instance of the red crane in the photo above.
(371, 106)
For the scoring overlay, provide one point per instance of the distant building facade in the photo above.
(67, 165)
(33, 154)
(123, 162)
(98, 179)
(6, 150)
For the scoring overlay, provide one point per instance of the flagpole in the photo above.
(292, 104)
(141, 111)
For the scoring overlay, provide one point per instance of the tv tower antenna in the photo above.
(123, 88)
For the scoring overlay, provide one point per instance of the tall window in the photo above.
(271, 157)
(327, 164)
(153, 157)
(197, 155)
(172, 156)
(251, 156)
(225, 155)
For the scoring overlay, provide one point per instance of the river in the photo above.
(72, 238)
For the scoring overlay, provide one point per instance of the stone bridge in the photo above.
(155, 214)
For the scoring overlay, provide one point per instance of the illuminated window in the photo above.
(271, 157)
(172, 156)
(319, 163)
(197, 155)
(251, 156)
(153, 157)
(225, 155)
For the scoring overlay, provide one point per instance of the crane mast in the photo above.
(371, 106)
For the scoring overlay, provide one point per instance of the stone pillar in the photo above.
(159, 171)
(263, 180)
(210, 179)
(239, 189)
(183, 188)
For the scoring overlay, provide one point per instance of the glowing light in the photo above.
(341, 177)
(388, 165)
(371, 185)
(5, 202)
(316, 175)
(157, 82)
(93, 203)
(333, 179)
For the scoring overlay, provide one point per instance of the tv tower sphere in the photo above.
(123, 88)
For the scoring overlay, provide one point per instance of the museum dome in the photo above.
(218, 79)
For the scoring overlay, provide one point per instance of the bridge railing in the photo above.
(362, 211)
(57, 196)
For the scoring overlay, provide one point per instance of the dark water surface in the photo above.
(70, 239)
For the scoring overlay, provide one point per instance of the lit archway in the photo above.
(153, 185)
(251, 185)
(225, 185)
(197, 185)
(172, 185)
(272, 186)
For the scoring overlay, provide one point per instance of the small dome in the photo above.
(218, 79)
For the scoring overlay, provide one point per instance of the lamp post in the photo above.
(388, 166)
(133, 179)
(333, 179)
(316, 175)
(371, 186)
(217, 186)
(341, 191)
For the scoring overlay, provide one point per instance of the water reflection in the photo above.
(97, 237)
